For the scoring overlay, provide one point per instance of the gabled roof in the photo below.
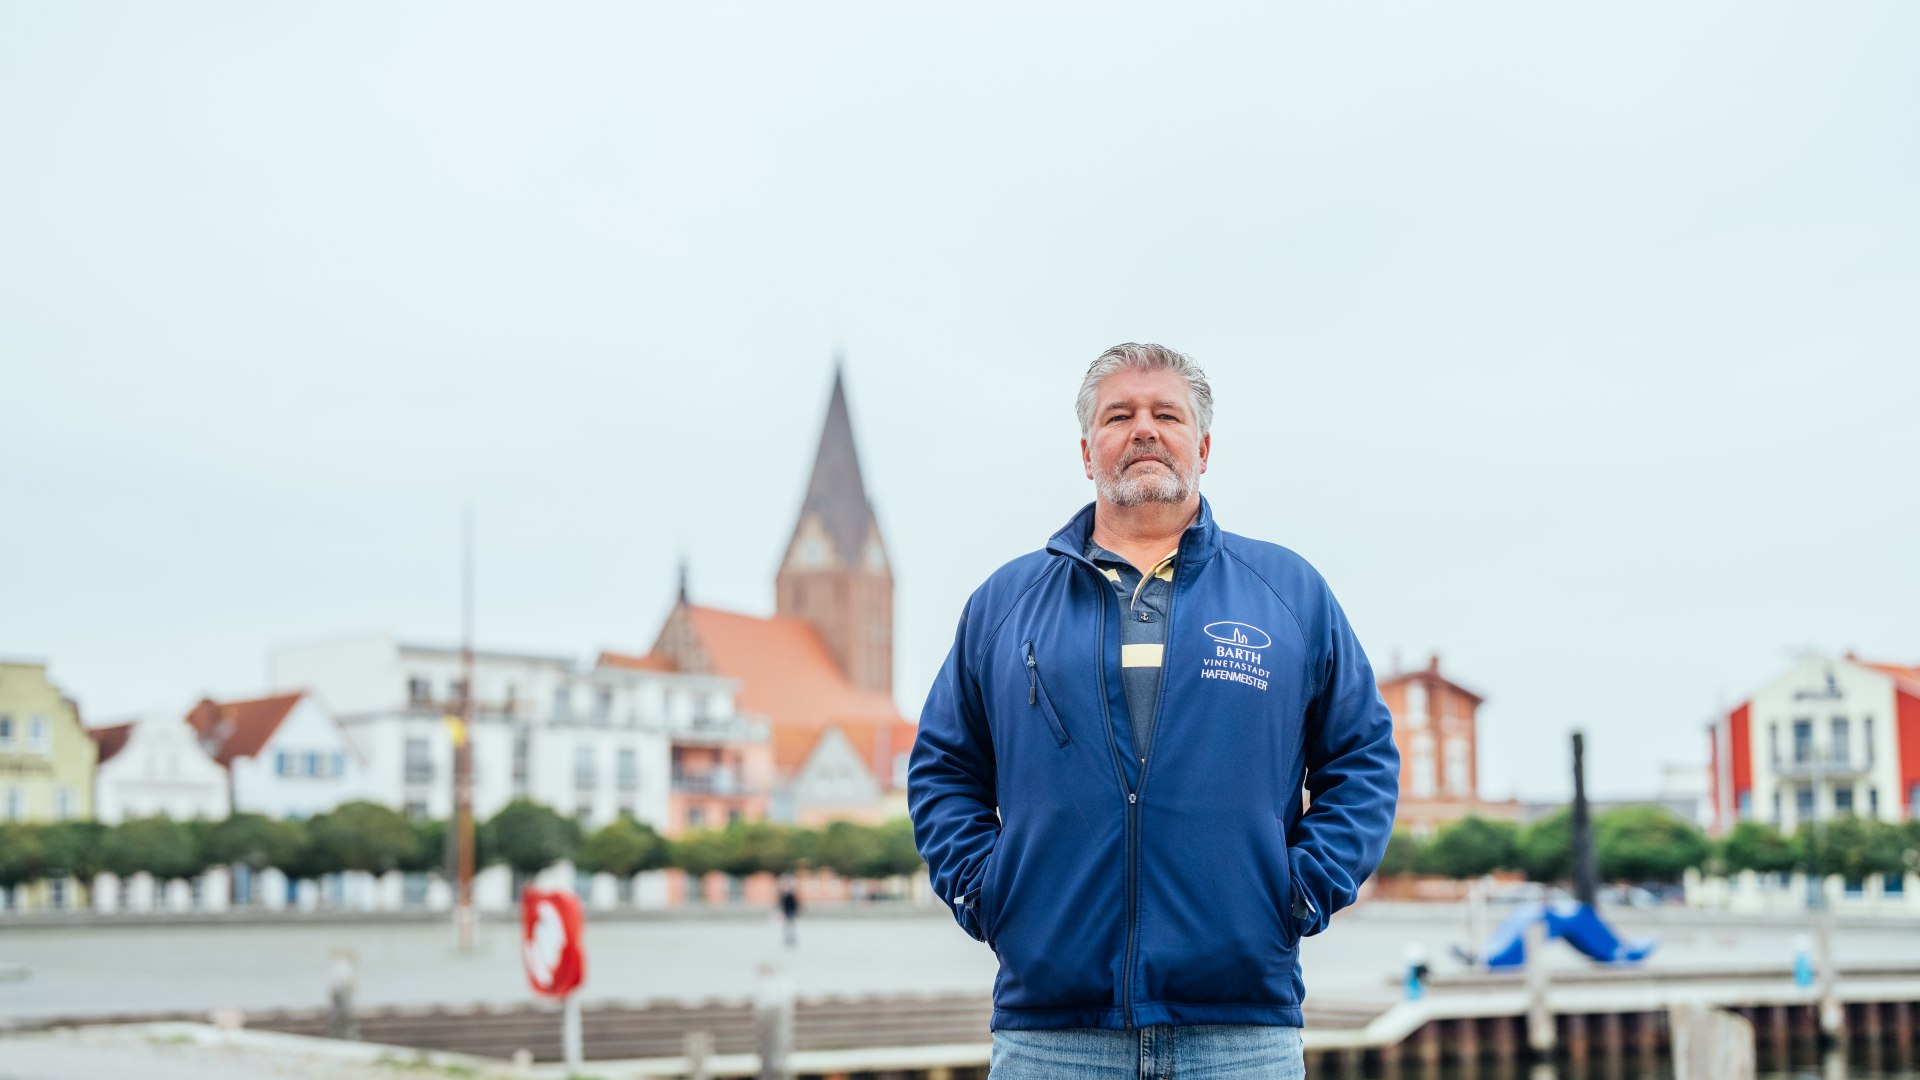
(110, 739)
(1907, 678)
(1432, 673)
(649, 662)
(787, 675)
(237, 729)
(836, 492)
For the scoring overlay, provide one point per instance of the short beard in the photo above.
(1120, 489)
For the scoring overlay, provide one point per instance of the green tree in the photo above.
(1472, 846)
(1646, 843)
(623, 847)
(1406, 854)
(1752, 845)
(73, 849)
(530, 837)
(23, 854)
(430, 855)
(158, 846)
(698, 854)
(1545, 848)
(363, 836)
(898, 853)
(1855, 848)
(753, 847)
(849, 849)
(255, 841)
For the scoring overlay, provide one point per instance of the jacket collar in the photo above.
(1198, 544)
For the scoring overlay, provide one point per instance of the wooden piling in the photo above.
(1466, 1040)
(1613, 1037)
(1428, 1041)
(1506, 1040)
(1576, 1037)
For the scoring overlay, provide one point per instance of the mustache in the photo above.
(1143, 454)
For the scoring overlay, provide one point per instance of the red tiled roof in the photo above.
(236, 729)
(1907, 677)
(787, 675)
(649, 662)
(111, 739)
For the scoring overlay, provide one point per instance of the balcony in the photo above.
(710, 784)
(1825, 766)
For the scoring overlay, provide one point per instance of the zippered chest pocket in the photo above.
(1037, 697)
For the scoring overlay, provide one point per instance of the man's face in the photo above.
(1144, 447)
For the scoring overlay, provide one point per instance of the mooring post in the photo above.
(570, 1048)
(699, 1048)
(341, 1022)
(1541, 1038)
(773, 1023)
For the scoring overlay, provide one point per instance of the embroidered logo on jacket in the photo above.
(1236, 654)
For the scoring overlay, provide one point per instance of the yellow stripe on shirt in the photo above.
(1144, 655)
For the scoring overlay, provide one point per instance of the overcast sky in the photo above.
(1579, 345)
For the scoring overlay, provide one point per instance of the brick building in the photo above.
(1435, 725)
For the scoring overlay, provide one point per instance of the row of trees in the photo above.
(1648, 844)
(364, 836)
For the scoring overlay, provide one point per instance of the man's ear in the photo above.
(1086, 457)
(1206, 448)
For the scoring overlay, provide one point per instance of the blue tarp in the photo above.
(1577, 924)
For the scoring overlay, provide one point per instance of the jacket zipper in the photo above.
(1133, 798)
(1120, 772)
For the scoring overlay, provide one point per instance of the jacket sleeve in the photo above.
(1353, 782)
(950, 786)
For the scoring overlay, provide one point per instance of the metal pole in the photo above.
(773, 1023)
(341, 1022)
(570, 1033)
(463, 915)
(1586, 869)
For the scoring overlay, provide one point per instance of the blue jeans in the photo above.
(1160, 1052)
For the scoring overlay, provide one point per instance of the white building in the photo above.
(156, 765)
(1831, 737)
(593, 743)
(286, 756)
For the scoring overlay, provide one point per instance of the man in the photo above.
(1107, 784)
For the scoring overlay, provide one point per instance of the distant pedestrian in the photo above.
(789, 907)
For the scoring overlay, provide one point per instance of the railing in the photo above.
(1834, 765)
(695, 784)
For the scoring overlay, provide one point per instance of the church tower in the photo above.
(835, 573)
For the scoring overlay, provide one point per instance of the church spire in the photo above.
(835, 573)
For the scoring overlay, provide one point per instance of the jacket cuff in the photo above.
(1312, 901)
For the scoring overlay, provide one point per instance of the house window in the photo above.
(1842, 750)
(313, 764)
(65, 802)
(562, 702)
(1913, 801)
(1416, 704)
(1457, 769)
(1423, 779)
(522, 750)
(1803, 804)
(1746, 806)
(419, 762)
(602, 703)
(1843, 801)
(1802, 741)
(1866, 736)
(6, 730)
(37, 733)
(15, 804)
(457, 690)
(1773, 742)
(1873, 803)
(1777, 820)
(282, 763)
(628, 769)
(696, 816)
(417, 809)
(584, 773)
(419, 690)
(57, 894)
(339, 765)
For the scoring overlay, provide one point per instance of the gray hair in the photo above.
(1145, 358)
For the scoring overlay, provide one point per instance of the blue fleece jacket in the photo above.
(1179, 898)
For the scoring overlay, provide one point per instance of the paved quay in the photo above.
(101, 969)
